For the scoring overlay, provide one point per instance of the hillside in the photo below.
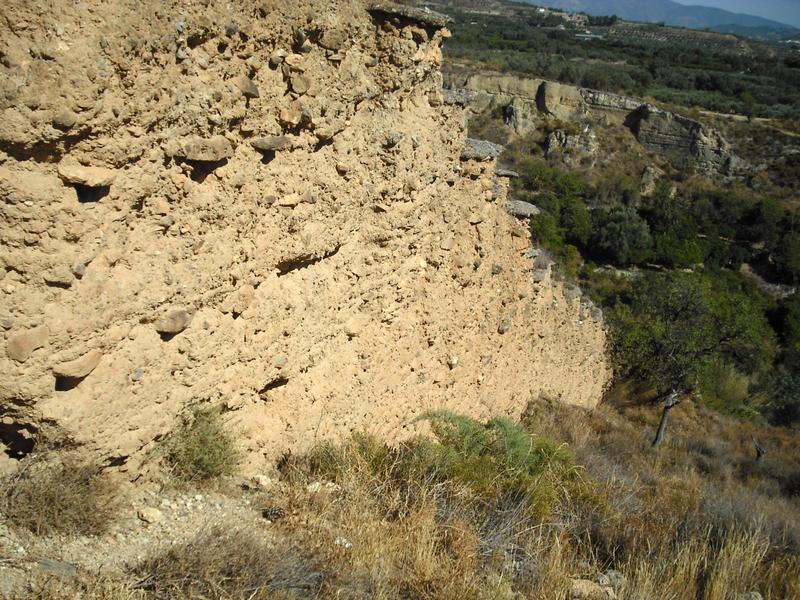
(296, 306)
(679, 66)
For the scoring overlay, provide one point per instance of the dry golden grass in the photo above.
(738, 564)
(48, 496)
(698, 569)
(83, 588)
(395, 537)
(230, 562)
(672, 576)
(696, 520)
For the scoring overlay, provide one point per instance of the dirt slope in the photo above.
(258, 204)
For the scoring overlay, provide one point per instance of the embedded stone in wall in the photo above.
(21, 345)
(212, 149)
(480, 150)
(93, 177)
(80, 367)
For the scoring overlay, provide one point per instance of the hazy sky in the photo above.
(785, 11)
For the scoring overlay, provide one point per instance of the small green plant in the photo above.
(727, 390)
(202, 449)
(58, 497)
(501, 459)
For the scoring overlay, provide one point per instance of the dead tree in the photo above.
(509, 114)
(672, 400)
(760, 452)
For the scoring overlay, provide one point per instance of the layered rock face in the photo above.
(673, 134)
(527, 102)
(263, 206)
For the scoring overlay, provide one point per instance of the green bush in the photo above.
(202, 449)
(604, 287)
(790, 328)
(495, 460)
(623, 237)
(676, 326)
(787, 257)
(727, 390)
(784, 397)
(498, 459)
(678, 253)
(564, 224)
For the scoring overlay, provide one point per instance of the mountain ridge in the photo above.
(667, 11)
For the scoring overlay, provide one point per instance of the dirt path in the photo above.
(742, 119)
(150, 522)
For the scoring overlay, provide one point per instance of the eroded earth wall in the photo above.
(260, 205)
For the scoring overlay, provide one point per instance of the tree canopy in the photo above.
(677, 326)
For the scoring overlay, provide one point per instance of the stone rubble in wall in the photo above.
(260, 206)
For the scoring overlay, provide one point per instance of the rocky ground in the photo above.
(152, 521)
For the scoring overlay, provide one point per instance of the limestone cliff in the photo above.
(260, 205)
(528, 102)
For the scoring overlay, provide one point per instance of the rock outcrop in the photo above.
(259, 205)
(526, 102)
(517, 97)
(572, 148)
(675, 135)
(560, 101)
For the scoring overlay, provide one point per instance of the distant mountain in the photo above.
(666, 11)
(771, 34)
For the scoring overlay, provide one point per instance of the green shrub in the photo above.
(784, 398)
(604, 287)
(677, 325)
(787, 257)
(623, 237)
(202, 449)
(790, 329)
(332, 461)
(500, 458)
(495, 460)
(727, 389)
(678, 253)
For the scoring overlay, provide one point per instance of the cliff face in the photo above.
(529, 101)
(673, 134)
(259, 205)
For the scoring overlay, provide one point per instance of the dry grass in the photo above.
(394, 537)
(697, 519)
(47, 496)
(230, 563)
(697, 569)
(83, 587)
(463, 518)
